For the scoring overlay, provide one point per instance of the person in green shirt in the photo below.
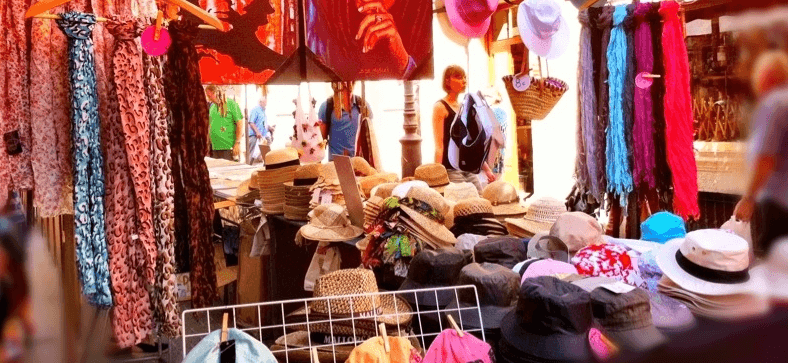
(225, 130)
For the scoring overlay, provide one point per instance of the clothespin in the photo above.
(315, 358)
(224, 328)
(385, 336)
(649, 75)
(455, 326)
(159, 20)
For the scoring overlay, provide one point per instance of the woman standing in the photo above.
(225, 132)
(444, 112)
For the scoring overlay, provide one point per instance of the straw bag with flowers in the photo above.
(539, 98)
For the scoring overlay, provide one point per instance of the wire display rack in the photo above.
(424, 322)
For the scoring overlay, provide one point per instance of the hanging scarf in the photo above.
(678, 114)
(586, 98)
(629, 83)
(662, 173)
(604, 23)
(189, 135)
(643, 131)
(618, 172)
(89, 232)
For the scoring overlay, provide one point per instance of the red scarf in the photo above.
(678, 114)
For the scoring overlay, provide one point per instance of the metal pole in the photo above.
(411, 142)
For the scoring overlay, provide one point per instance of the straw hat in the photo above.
(306, 173)
(540, 216)
(473, 206)
(361, 167)
(372, 208)
(433, 231)
(434, 175)
(329, 223)
(272, 188)
(280, 158)
(328, 176)
(456, 192)
(295, 347)
(366, 309)
(383, 190)
(369, 182)
(504, 199)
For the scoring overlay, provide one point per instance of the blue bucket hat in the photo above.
(662, 227)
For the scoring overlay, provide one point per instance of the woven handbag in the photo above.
(539, 99)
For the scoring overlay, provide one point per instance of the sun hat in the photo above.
(373, 351)
(625, 318)
(497, 288)
(471, 17)
(719, 307)
(473, 207)
(610, 260)
(456, 192)
(546, 267)
(372, 208)
(369, 182)
(505, 251)
(543, 29)
(383, 190)
(709, 262)
(577, 230)
(327, 178)
(662, 227)
(475, 215)
(434, 268)
(271, 185)
(297, 194)
(329, 223)
(306, 175)
(401, 190)
(247, 348)
(504, 199)
(540, 215)
(542, 245)
(361, 166)
(551, 323)
(435, 175)
(449, 347)
(351, 296)
(430, 226)
(521, 266)
(281, 158)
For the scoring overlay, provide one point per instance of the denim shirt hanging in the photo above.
(89, 232)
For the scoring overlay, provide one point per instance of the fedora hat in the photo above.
(626, 319)
(539, 217)
(434, 268)
(551, 323)
(455, 192)
(350, 294)
(497, 288)
(471, 17)
(329, 223)
(361, 166)
(709, 262)
(435, 175)
(542, 27)
(504, 199)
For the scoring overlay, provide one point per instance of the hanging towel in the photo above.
(678, 114)
(618, 172)
(586, 99)
(643, 130)
(604, 23)
(89, 232)
(190, 128)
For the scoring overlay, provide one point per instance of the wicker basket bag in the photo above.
(539, 99)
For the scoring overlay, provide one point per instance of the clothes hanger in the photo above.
(40, 8)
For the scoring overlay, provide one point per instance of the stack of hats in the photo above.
(280, 167)
(374, 204)
(550, 324)
(539, 217)
(435, 175)
(504, 199)
(350, 301)
(475, 215)
(297, 194)
(328, 185)
(709, 271)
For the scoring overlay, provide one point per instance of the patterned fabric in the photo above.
(88, 160)
(166, 313)
(16, 171)
(608, 260)
(189, 135)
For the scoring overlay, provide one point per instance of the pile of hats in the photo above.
(504, 199)
(709, 271)
(329, 189)
(435, 175)
(280, 167)
(539, 217)
(374, 204)
(348, 298)
(297, 194)
(475, 216)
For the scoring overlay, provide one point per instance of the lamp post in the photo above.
(411, 142)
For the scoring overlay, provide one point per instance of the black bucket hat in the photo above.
(551, 323)
(497, 288)
(626, 318)
(434, 268)
(506, 251)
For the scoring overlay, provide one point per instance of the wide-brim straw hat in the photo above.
(361, 167)
(369, 182)
(504, 199)
(383, 190)
(428, 228)
(456, 192)
(351, 293)
(328, 176)
(435, 175)
(540, 216)
(473, 207)
(280, 158)
(329, 223)
(372, 208)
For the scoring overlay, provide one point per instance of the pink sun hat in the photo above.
(471, 17)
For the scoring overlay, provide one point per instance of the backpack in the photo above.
(470, 134)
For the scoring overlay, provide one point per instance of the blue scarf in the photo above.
(619, 175)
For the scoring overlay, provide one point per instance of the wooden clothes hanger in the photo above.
(40, 8)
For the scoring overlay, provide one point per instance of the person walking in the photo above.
(258, 130)
(225, 132)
